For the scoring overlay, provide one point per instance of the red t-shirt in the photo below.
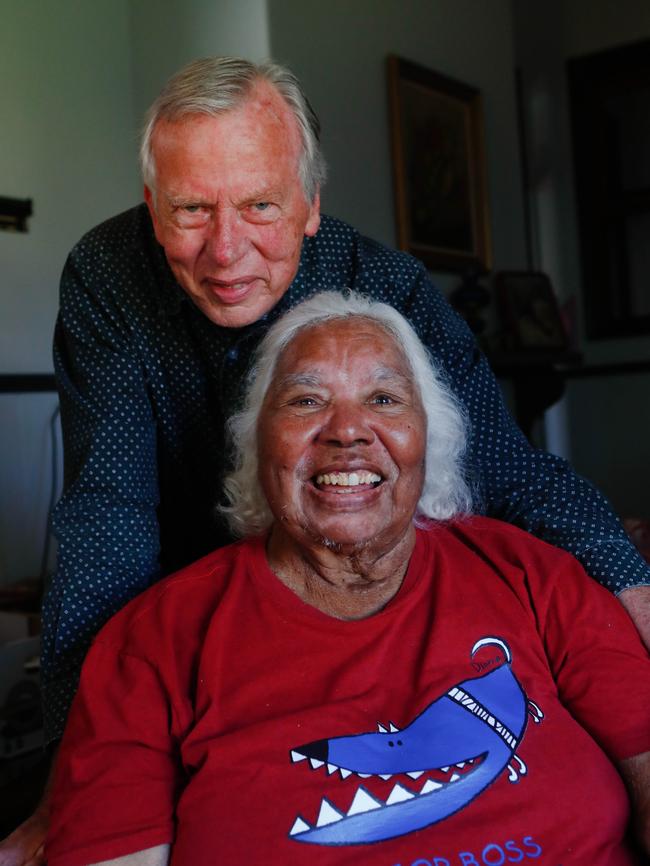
(220, 713)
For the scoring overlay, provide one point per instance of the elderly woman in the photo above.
(371, 676)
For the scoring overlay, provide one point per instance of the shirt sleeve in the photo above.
(105, 522)
(600, 666)
(513, 481)
(117, 776)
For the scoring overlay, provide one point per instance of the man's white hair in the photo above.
(445, 493)
(216, 85)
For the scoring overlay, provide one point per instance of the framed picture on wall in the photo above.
(439, 168)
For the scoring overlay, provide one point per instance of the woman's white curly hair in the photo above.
(445, 493)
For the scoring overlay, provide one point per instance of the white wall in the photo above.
(167, 34)
(338, 50)
(68, 142)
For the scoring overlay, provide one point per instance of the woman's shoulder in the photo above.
(498, 542)
(181, 602)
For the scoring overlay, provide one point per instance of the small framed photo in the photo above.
(529, 311)
(439, 168)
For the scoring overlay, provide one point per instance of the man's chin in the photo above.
(250, 307)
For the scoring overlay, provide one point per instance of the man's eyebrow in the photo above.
(181, 200)
(266, 194)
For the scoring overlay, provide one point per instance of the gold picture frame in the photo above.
(439, 168)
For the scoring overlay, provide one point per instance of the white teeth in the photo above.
(316, 763)
(445, 769)
(461, 765)
(385, 776)
(328, 814)
(363, 802)
(398, 795)
(297, 756)
(381, 728)
(299, 826)
(348, 479)
(393, 729)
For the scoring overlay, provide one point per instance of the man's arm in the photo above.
(105, 523)
(527, 487)
(158, 856)
(636, 775)
(637, 603)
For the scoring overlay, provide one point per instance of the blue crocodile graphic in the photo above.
(461, 742)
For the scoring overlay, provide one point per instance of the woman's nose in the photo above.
(347, 424)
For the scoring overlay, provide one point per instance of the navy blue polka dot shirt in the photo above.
(146, 382)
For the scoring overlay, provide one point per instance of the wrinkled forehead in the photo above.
(260, 104)
(325, 344)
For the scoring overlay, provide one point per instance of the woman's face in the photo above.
(341, 438)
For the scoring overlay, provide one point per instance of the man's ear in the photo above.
(151, 204)
(313, 220)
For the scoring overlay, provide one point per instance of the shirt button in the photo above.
(232, 354)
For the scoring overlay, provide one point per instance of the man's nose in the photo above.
(227, 237)
(347, 424)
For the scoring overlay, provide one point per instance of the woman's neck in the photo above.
(345, 584)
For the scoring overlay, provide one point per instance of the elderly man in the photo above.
(160, 310)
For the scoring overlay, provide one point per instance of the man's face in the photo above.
(229, 207)
(341, 439)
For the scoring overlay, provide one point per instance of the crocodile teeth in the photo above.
(399, 795)
(299, 826)
(429, 786)
(328, 814)
(363, 802)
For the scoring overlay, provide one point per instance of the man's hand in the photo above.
(637, 603)
(24, 847)
(636, 775)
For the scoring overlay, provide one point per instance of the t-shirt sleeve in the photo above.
(601, 668)
(117, 776)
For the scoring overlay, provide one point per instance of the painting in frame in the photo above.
(439, 168)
